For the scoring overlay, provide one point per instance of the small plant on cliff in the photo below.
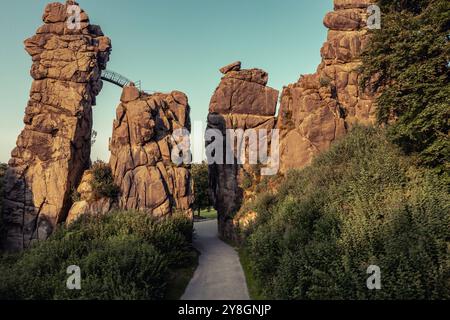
(247, 181)
(103, 182)
(324, 81)
(75, 195)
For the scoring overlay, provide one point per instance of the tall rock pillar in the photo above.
(141, 153)
(53, 150)
(242, 101)
(323, 106)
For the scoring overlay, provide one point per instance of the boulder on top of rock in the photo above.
(252, 75)
(344, 20)
(235, 66)
(245, 92)
(351, 4)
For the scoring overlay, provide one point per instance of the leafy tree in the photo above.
(201, 185)
(409, 60)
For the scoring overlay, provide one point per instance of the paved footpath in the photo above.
(219, 275)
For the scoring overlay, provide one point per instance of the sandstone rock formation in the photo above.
(322, 107)
(241, 101)
(314, 112)
(141, 148)
(53, 150)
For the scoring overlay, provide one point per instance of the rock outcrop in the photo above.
(141, 153)
(53, 150)
(322, 107)
(241, 101)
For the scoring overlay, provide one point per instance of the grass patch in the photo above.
(208, 214)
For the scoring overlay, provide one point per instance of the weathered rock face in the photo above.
(322, 107)
(54, 148)
(141, 148)
(241, 101)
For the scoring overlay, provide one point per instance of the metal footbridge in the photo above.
(118, 79)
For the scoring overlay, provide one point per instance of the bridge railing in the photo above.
(118, 79)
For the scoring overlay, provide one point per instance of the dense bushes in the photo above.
(124, 255)
(360, 204)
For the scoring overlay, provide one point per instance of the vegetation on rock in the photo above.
(361, 203)
(123, 255)
(103, 183)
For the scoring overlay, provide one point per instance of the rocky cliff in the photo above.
(53, 150)
(141, 153)
(321, 107)
(241, 101)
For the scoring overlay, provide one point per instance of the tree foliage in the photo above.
(409, 59)
(103, 181)
(201, 185)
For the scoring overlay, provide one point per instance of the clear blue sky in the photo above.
(168, 44)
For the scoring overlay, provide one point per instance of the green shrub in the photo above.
(124, 255)
(103, 182)
(325, 81)
(247, 181)
(360, 204)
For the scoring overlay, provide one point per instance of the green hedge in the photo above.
(360, 204)
(124, 255)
